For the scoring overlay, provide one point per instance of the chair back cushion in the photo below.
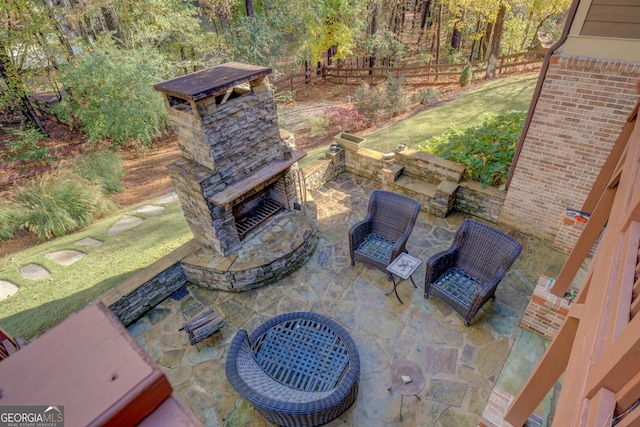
(483, 250)
(392, 214)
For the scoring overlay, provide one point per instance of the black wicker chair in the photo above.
(382, 235)
(297, 369)
(467, 274)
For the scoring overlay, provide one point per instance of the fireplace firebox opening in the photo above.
(251, 211)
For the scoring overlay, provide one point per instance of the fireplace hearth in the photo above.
(237, 173)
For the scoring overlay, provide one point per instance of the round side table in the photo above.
(410, 370)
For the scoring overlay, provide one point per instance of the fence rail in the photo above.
(433, 74)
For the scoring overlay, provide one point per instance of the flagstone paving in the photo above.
(65, 257)
(34, 272)
(461, 364)
(7, 289)
(89, 242)
(123, 224)
(150, 209)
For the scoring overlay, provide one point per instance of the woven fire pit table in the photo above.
(297, 369)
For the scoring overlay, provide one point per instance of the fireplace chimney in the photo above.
(236, 171)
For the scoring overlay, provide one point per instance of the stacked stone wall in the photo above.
(366, 163)
(148, 287)
(243, 135)
(483, 202)
(191, 138)
(583, 104)
(323, 170)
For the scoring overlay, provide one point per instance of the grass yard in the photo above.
(496, 97)
(40, 304)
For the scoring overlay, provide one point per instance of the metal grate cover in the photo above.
(247, 222)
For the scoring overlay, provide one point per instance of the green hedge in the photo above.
(486, 150)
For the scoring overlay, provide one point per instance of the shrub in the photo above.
(110, 93)
(486, 150)
(59, 203)
(11, 217)
(103, 168)
(465, 77)
(396, 95)
(454, 56)
(385, 99)
(426, 95)
(368, 101)
(318, 124)
(25, 145)
(285, 97)
(343, 119)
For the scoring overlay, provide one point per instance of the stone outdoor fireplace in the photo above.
(238, 172)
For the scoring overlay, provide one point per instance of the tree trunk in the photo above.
(249, 5)
(473, 45)
(455, 38)
(16, 88)
(485, 42)
(113, 24)
(438, 36)
(61, 34)
(424, 19)
(373, 28)
(494, 52)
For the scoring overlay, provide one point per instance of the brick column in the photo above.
(545, 312)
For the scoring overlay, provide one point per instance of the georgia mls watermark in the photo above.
(31, 416)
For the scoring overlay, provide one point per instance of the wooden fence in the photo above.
(429, 74)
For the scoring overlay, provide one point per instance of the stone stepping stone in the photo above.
(89, 241)
(150, 209)
(169, 198)
(7, 289)
(123, 224)
(34, 272)
(65, 257)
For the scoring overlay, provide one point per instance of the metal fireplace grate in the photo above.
(264, 210)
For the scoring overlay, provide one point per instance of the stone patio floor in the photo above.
(462, 364)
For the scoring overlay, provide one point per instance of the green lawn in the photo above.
(40, 304)
(496, 97)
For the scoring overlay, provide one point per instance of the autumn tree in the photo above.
(23, 48)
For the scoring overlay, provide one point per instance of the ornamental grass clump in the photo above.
(485, 150)
(60, 202)
(103, 168)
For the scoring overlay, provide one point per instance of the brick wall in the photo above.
(583, 105)
(545, 312)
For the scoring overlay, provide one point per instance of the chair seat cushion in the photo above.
(376, 247)
(459, 286)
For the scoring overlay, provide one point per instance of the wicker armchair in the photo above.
(467, 274)
(297, 369)
(382, 235)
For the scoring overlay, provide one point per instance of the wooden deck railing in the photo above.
(599, 342)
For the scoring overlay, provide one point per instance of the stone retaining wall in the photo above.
(323, 170)
(467, 196)
(144, 290)
(485, 203)
(366, 163)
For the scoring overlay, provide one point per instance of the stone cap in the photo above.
(205, 83)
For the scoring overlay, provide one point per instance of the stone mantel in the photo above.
(265, 173)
